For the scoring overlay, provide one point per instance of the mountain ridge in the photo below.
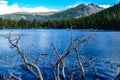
(74, 12)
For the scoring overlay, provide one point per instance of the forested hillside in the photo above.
(106, 19)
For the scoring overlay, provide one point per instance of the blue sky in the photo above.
(59, 4)
(12, 6)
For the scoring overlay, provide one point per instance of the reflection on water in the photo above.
(105, 46)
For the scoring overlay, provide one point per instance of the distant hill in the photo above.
(38, 13)
(75, 12)
(27, 16)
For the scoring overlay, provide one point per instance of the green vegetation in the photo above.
(106, 19)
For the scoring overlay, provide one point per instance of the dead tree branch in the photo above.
(58, 66)
(15, 45)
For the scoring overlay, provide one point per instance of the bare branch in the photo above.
(72, 71)
(80, 64)
(11, 76)
(56, 75)
(55, 49)
(24, 58)
(29, 69)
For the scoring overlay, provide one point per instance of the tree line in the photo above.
(107, 19)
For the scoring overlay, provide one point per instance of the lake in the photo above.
(104, 46)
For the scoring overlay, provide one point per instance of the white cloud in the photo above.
(37, 9)
(7, 9)
(3, 2)
(72, 6)
(105, 6)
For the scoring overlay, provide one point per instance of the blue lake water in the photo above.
(104, 46)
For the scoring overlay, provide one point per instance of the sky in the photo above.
(11, 6)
